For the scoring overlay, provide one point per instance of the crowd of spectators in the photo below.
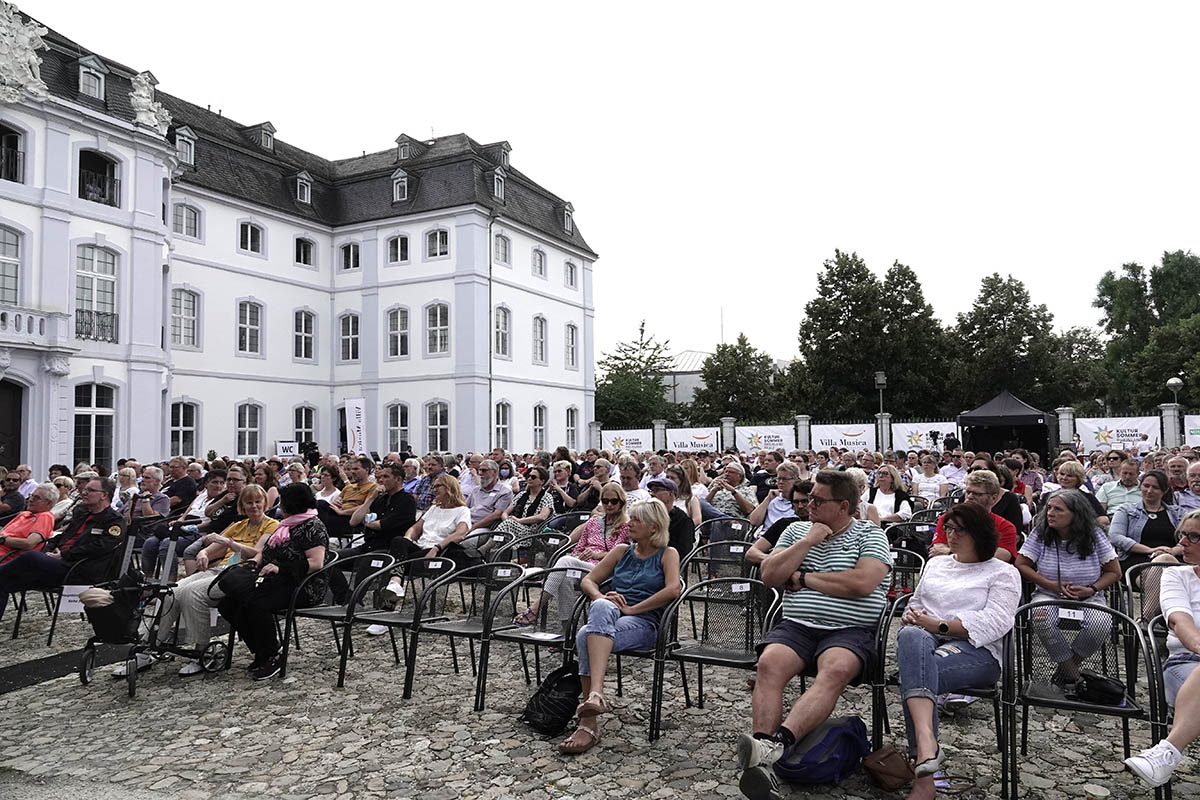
(1068, 531)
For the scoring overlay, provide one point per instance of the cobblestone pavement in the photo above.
(222, 735)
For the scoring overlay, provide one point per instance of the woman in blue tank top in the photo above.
(645, 579)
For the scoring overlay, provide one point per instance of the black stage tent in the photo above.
(1006, 422)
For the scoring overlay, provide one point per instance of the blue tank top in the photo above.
(638, 578)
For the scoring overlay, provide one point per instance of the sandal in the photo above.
(572, 746)
(525, 618)
(594, 706)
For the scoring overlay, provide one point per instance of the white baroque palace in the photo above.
(172, 281)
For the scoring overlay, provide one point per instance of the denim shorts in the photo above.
(1176, 671)
(809, 643)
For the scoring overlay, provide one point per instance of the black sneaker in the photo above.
(269, 669)
(760, 783)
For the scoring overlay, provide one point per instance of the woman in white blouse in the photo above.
(891, 502)
(443, 526)
(930, 484)
(953, 631)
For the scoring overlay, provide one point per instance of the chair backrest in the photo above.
(566, 522)
(907, 567)
(725, 614)
(468, 591)
(534, 550)
(722, 559)
(914, 536)
(723, 528)
(926, 515)
(487, 543)
(1141, 586)
(548, 623)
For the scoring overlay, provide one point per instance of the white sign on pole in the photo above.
(356, 425)
(627, 440)
(285, 449)
(1117, 432)
(752, 438)
(1191, 429)
(693, 439)
(855, 436)
(915, 435)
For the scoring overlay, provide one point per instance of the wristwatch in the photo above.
(943, 628)
(803, 575)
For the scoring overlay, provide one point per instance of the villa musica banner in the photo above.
(1191, 429)
(1117, 432)
(917, 435)
(627, 440)
(694, 439)
(751, 439)
(858, 435)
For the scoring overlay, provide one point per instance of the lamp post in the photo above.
(1174, 384)
(880, 384)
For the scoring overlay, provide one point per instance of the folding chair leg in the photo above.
(54, 619)
(1024, 730)
(453, 653)
(481, 677)
(471, 649)
(395, 650)
(656, 700)
(620, 687)
(337, 642)
(287, 632)
(1125, 735)
(687, 695)
(699, 686)
(524, 661)
(344, 652)
(20, 613)
(410, 664)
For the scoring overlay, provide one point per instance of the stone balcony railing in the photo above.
(32, 328)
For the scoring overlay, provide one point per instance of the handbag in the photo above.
(888, 768)
(1099, 689)
(239, 580)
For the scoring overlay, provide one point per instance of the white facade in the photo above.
(207, 286)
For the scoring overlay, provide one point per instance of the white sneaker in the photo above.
(957, 702)
(392, 594)
(1154, 766)
(191, 668)
(753, 752)
(144, 662)
(376, 630)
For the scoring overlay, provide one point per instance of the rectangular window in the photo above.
(186, 149)
(304, 252)
(539, 340)
(350, 337)
(302, 336)
(572, 428)
(438, 427)
(350, 256)
(397, 424)
(183, 318)
(399, 189)
(398, 333)
(248, 420)
(502, 249)
(91, 84)
(572, 347)
(437, 327)
(186, 221)
(503, 318)
(95, 280)
(183, 429)
(437, 244)
(249, 328)
(503, 412)
(10, 265)
(397, 249)
(250, 238)
(539, 263)
(305, 424)
(572, 275)
(303, 192)
(94, 424)
(539, 427)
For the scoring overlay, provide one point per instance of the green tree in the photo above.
(842, 340)
(1173, 349)
(631, 391)
(1003, 342)
(738, 382)
(1076, 375)
(917, 348)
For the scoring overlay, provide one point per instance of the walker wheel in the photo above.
(212, 657)
(131, 672)
(87, 664)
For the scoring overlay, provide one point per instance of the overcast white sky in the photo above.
(717, 154)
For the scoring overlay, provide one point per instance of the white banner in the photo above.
(751, 439)
(626, 440)
(356, 425)
(1191, 429)
(1118, 433)
(693, 439)
(916, 435)
(856, 436)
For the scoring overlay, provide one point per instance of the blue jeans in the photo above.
(932, 665)
(628, 632)
(1175, 672)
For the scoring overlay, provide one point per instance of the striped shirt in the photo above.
(837, 554)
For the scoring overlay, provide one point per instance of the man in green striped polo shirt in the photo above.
(834, 572)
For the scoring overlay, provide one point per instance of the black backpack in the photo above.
(553, 704)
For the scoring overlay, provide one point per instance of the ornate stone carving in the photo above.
(20, 65)
(56, 364)
(147, 111)
(5, 360)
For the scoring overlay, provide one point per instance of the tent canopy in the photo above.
(1003, 409)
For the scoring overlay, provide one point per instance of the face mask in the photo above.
(504, 473)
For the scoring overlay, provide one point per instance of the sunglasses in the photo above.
(611, 501)
(1193, 538)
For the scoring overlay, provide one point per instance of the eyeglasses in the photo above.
(820, 501)
(92, 491)
(1114, 458)
(970, 493)
(1191, 536)
(948, 529)
(611, 501)
(800, 500)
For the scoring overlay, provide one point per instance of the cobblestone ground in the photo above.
(222, 735)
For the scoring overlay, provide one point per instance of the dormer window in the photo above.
(304, 188)
(498, 186)
(399, 186)
(568, 221)
(267, 140)
(504, 157)
(185, 145)
(91, 77)
(405, 151)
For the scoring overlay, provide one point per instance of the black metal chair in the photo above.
(565, 522)
(486, 543)
(729, 616)
(1156, 629)
(914, 536)
(335, 614)
(907, 567)
(1032, 677)
(927, 515)
(474, 588)
(723, 528)
(535, 550)
(722, 559)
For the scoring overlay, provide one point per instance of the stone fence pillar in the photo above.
(728, 438)
(660, 434)
(803, 431)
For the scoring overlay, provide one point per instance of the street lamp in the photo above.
(880, 384)
(1175, 384)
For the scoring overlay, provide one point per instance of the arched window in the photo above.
(571, 275)
(250, 237)
(95, 294)
(349, 337)
(304, 419)
(503, 416)
(437, 329)
(437, 427)
(249, 328)
(539, 427)
(397, 427)
(304, 325)
(350, 256)
(572, 427)
(398, 249)
(503, 249)
(397, 321)
(437, 243)
(185, 318)
(98, 180)
(571, 343)
(539, 340)
(186, 221)
(249, 429)
(10, 266)
(183, 429)
(538, 263)
(12, 157)
(95, 410)
(503, 325)
(304, 252)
